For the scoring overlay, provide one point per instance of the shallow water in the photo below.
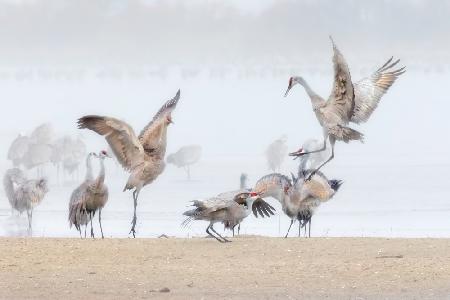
(376, 199)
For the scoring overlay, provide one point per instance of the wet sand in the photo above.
(249, 267)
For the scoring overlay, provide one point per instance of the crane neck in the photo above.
(89, 172)
(316, 100)
(101, 175)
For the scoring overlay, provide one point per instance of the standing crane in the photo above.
(24, 194)
(78, 215)
(90, 197)
(276, 152)
(228, 211)
(348, 102)
(143, 155)
(185, 157)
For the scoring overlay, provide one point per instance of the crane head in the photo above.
(104, 154)
(291, 84)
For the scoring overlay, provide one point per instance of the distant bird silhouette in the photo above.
(185, 157)
(276, 154)
(348, 102)
(142, 156)
(229, 211)
(24, 194)
(18, 150)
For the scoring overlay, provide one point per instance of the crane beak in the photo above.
(297, 153)
(287, 91)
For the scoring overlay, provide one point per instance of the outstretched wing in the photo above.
(368, 91)
(120, 137)
(317, 188)
(341, 101)
(262, 208)
(150, 136)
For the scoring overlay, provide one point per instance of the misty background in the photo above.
(61, 59)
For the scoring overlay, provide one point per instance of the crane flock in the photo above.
(143, 157)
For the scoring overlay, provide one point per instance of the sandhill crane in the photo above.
(142, 156)
(276, 153)
(24, 194)
(298, 199)
(348, 102)
(78, 215)
(228, 211)
(90, 197)
(18, 149)
(185, 157)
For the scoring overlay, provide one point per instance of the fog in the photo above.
(60, 60)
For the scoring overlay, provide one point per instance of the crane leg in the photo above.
(332, 142)
(233, 230)
(212, 235)
(309, 231)
(301, 153)
(292, 222)
(224, 239)
(299, 229)
(133, 222)
(239, 228)
(100, 221)
(30, 221)
(92, 228)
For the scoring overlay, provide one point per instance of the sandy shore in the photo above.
(249, 267)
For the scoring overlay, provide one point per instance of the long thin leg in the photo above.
(292, 222)
(85, 227)
(324, 147)
(100, 221)
(239, 228)
(224, 239)
(30, 221)
(309, 233)
(133, 222)
(233, 230)
(92, 228)
(332, 142)
(299, 229)
(210, 234)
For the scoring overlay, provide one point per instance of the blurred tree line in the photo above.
(87, 32)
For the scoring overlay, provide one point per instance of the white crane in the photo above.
(24, 194)
(276, 153)
(143, 155)
(348, 102)
(228, 211)
(185, 157)
(90, 197)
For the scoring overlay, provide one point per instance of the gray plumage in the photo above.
(348, 102)
(24, 194)
(90, 197)
(143, 155)
(298, 198)
(276, 153)
(229, 208)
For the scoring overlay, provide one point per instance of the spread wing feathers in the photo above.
(262, 208)
(368, 91)
(342, 98)
(148, 137)
(346, 134)
(272, 181)
(318, 188)
(120, 137)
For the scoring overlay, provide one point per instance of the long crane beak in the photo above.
(287, 91)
